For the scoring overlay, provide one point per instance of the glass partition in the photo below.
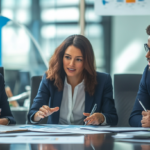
(20, 51)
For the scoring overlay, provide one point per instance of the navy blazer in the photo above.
(103, 97)
(4, 105)
(144, 96)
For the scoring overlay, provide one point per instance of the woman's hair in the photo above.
(56, 71)
(148, 30)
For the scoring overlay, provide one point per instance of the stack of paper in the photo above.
(44, 139)
(133, 137)
(114, 129)
(61, 129)
(6, 129)
(128, 135)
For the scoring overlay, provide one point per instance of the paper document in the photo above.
(134, 140)
(74, 129)
(115, 129)
(44, 139)
(30, 133)
(127, 135)
(13, 128)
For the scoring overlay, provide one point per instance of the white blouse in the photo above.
(72, 107)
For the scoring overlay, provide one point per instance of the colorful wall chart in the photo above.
(122, 7)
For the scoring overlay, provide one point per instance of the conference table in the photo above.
(103, 141)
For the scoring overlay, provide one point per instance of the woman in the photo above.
(70, 88)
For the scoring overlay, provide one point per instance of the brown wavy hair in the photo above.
(56, 71)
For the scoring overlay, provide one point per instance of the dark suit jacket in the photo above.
(144, 96)
(103, 97)
(4, 105)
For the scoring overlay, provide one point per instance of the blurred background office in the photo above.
(37, 27)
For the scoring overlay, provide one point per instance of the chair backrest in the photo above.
(35, 82)
(125, 91)
(2, 71)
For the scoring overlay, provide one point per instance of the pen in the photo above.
(92, 112)
(142, 105)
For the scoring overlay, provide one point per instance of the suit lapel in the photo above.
(148, 81)
(89, 102)
(56, 103)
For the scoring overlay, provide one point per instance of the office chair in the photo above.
(35, 82)
(125, 91)
(2, 71)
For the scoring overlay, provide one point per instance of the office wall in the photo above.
(128, 38)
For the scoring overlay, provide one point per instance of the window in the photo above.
(95, 31)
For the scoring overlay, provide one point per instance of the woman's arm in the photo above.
(41, 99)
(108, 105)
(107, 114)
(6, 115)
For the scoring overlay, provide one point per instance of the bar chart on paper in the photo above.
(122, 7)
(130, 1)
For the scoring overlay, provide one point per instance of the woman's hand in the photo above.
(94, 119)
(43, 112)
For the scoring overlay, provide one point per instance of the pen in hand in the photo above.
(142, 105)
(92, 112)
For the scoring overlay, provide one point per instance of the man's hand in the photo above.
(145, 119)
(94, 119)
(43, 112)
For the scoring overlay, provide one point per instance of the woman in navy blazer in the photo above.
(5, 114)
(71, 86)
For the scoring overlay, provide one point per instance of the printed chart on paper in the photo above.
(122, 7)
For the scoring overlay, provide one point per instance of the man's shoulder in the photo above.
(145, 77)
(146, 69)
(146, 73)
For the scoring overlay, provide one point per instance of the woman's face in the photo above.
(73, 62)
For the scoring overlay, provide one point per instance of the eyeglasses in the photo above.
(146, 48)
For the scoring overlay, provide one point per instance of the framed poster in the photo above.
(122, 7)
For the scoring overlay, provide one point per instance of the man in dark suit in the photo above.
(139, 117)
(5, 114)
